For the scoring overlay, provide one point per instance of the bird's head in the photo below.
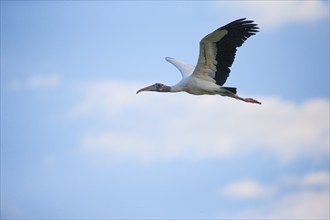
(157, 87)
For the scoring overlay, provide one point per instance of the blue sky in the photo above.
(77, 142)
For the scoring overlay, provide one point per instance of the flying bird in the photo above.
(217, 52)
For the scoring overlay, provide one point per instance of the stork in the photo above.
(216, 55)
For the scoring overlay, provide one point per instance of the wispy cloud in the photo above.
(305, 204)
(36, 82)
(316, 179)
(320, 179)
(247, 189)
(307, 199)
(277, 13)
(156, 126)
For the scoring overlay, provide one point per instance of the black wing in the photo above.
(218, 49)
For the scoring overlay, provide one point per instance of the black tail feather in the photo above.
(231, 89)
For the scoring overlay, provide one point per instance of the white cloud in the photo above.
(305, 200)
(36, 82)
(316, 179)
(319, 179)
(309, 204)
(155, 126)
(277, 13)
(305, 204)
(247, 189)
(251, 188)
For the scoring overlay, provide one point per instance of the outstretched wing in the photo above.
(185, 69)
(217, 50)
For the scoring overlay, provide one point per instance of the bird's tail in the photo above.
(231, 89)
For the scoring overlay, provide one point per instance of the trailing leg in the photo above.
(250, 100)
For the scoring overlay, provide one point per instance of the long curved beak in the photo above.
(148, 88)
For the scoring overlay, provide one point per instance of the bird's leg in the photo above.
(250, 100)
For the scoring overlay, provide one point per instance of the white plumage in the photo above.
(216, 55)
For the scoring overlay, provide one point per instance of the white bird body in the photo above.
(196, 86)
(216, 55)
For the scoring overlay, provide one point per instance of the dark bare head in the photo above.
(157, 87)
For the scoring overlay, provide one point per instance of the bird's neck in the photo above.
(167, 89)
(175, 88)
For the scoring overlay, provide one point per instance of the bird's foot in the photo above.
(251, 100)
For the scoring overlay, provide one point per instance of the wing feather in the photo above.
(184, 68)
(218, 49)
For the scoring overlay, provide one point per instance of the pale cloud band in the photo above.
(156, 127)
(247, 189)
(271, 14)
(308, 200)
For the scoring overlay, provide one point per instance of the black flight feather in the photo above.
(238, 32)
